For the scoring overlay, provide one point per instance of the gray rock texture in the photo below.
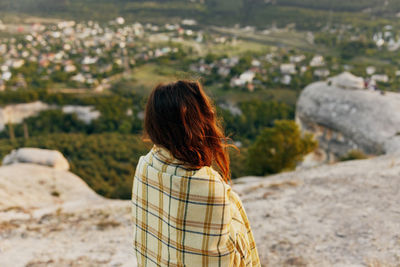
(344, 214)
(18, 112)
(46, 157)
(85, 113)
(50, 217)
(347, 80)
(346, 119)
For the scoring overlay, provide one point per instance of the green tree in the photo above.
(278, 148)
(258, 114)
(106, 162)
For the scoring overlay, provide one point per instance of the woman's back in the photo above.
(184, 212)
(186, 217)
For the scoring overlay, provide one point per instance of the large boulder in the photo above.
(50, 158)
(344, 119)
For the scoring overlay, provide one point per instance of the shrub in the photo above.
(278, 148)
(354, 155)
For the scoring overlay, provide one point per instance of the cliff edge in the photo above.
(50, 217)
(344, 214)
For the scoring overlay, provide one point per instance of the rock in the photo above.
(51, 158)
(314, 159)
(344, 214)
(344, 120)
(18, 112)
(347, 80)
(32, 186)
(50, 218)
(84, 113)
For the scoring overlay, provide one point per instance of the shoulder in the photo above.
(209, 174)
(207, 181)
(142, 161)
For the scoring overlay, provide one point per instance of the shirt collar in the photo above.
(165, 155)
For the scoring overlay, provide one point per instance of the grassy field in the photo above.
(279, 38)
(145, 77)
(240, 47)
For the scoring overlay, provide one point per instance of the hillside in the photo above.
(344, 214)
(309, 14)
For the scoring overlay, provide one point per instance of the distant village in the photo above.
(89, 55)
(84, 54)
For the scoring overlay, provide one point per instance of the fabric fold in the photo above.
(186, 217)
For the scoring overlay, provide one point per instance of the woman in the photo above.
(184, 212)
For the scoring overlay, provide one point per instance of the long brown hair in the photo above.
(180, 117)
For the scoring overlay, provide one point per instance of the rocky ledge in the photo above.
(344, 116)
(345, 214)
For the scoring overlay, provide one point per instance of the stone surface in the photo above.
(50, 217)
(18, 112)
(345, 214)
(347, 80)
(85, 113)
(344, 119)
(50, 158)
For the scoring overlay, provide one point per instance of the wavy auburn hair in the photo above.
(180, 117)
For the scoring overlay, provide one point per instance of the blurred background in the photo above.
(75, 76)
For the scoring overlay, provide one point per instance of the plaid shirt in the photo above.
(185, 217)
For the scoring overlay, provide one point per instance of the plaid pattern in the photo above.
(187, 217)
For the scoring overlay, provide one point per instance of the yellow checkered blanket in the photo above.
(185, 217)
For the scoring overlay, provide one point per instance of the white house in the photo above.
(120, 20)
(79, 78)
(380, 78)
(255, 63)
(18, 63)
(288, 68)
(370, 70)
(89, 60)
(297, 59)
(322, 72)
(69, 68)
(247, 76)
(286, 79)
(189, 22)
(317, 61)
